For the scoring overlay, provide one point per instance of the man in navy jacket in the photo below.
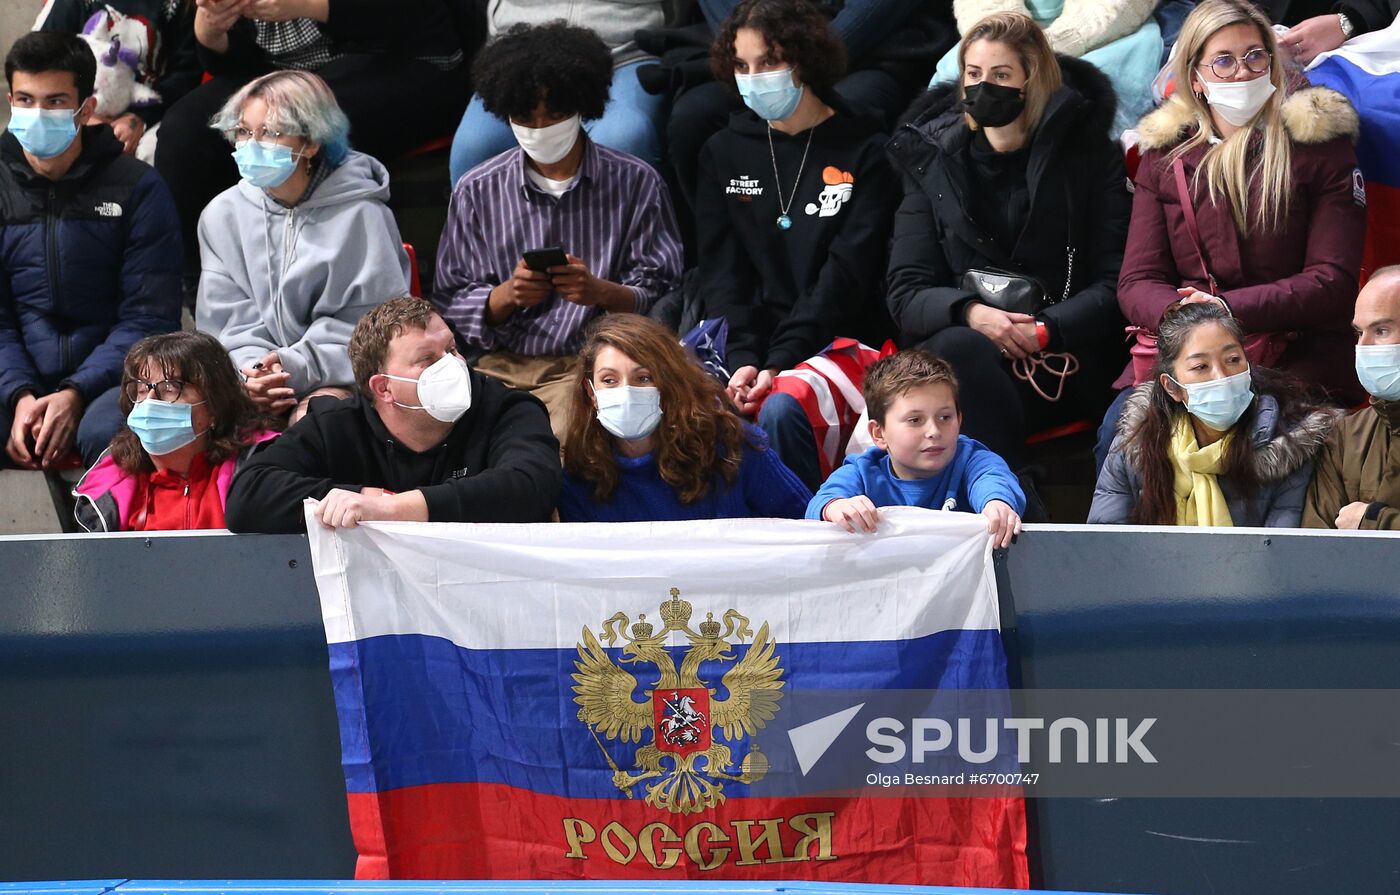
(89, 258)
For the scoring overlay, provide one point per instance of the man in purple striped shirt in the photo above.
(607, 210)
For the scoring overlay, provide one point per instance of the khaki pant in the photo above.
(549, 378)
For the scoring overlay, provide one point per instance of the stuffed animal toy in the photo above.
(126, 48)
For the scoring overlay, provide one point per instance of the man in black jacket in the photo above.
(425, 440)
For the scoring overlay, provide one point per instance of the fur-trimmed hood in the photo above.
(1086, 95)
(1312, 115)
(1277, 454)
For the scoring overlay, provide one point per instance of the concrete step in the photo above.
(25, 505)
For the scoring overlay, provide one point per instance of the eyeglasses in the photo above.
(167, 390)
(242, 134)
(1225, 65)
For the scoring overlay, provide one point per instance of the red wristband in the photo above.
(1042, 334)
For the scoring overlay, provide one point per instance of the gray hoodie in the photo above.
(296, 280)
(615, 21)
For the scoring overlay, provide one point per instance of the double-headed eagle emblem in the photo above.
(687, 723)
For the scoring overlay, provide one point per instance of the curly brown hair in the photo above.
(199, 360)
(700, 439)
(796, 32)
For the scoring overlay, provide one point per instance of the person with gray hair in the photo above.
(300, 248)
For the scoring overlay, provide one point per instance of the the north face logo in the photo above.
(109, 210)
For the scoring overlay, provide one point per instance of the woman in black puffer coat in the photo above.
(1037, 189)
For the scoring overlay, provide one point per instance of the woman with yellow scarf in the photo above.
(1210, 441)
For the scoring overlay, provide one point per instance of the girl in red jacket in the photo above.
(189, 425)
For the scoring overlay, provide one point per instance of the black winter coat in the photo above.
(1078, 199)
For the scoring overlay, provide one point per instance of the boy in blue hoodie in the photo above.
(919, 458)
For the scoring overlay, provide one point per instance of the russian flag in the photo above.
(1366, 70)
(580, 701)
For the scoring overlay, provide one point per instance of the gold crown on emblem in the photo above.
(676, 612)
(709, 627)
(641, 630)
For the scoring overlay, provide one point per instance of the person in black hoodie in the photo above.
(793, 210)
(1012, 171)
(425, 440)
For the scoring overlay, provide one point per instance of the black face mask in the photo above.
(992, 105)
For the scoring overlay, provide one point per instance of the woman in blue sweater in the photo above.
(652, 437)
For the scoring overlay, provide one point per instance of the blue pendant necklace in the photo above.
(785, 222)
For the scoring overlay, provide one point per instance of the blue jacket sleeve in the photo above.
(17, 369)
(771, 490)
(150, 286)
(845, 481)
(1116, 493)
(989, 478)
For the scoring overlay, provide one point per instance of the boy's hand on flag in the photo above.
(1003, 523)
(852, 513)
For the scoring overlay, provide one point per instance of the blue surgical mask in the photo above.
(629, 412)
(162, 426)
(44, 133)
(265, 165)
(771, 94)
(1219, 403)
(1378, 368)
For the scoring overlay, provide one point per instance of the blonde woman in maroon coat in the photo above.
(1278, 203)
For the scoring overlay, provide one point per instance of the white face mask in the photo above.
(548, 145)
(629, 412)
(444, 389)
(1239, 101)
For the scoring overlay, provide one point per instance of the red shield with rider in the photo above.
(682, 719)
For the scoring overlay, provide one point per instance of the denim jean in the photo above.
(790, 434)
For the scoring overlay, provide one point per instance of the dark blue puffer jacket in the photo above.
(89, 264)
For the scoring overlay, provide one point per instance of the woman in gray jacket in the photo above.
(296, 253)
(1209, 441)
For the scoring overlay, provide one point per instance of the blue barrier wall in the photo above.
(1145, 608)
(165, 709)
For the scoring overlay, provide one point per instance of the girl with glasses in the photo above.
(189, 425)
